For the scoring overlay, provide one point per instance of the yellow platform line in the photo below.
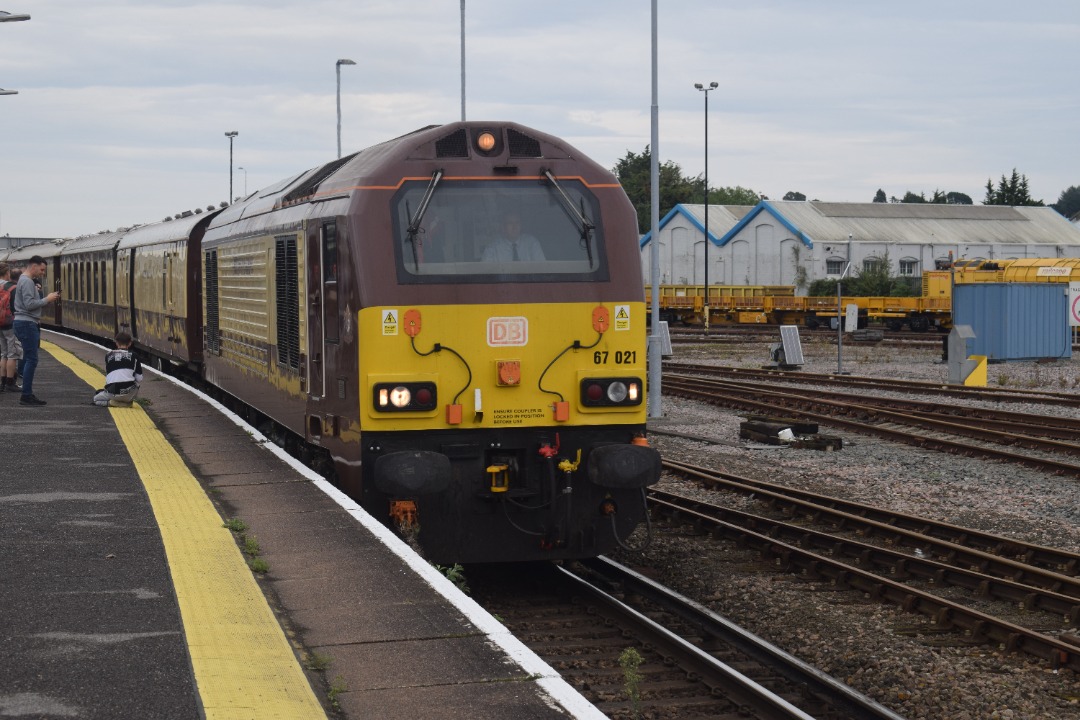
(243, 664)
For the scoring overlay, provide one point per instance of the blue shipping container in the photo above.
(1015, 321)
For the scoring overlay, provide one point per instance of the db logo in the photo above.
(502, 331)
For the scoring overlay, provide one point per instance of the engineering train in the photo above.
(497, 406)
(779, 305)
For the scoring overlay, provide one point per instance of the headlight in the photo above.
(616, 391)
(611, 392)
(400, 397)
(405, 397)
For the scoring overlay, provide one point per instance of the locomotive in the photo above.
(454, 318)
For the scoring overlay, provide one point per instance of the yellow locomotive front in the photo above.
(502, 362)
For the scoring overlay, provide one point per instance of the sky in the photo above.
(123, 105)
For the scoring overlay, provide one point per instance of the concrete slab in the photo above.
(401, 649)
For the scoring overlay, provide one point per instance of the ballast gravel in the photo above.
(897, 658)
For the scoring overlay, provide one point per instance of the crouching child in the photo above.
(123, 375)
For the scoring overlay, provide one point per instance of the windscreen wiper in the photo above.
(586, 225)
(414, 223)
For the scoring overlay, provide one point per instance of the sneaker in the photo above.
(30, 400)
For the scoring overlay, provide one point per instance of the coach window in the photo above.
(330, 289)
(94, 274)
(104, 281)
(169, 278)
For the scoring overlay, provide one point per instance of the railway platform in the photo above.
(124, 595)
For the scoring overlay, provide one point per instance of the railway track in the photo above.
(997, 438)
(919, 387)
(907, 561)
(728, 334)
(584, 619)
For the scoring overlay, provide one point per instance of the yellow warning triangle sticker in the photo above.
(622, 313)
(390, 318)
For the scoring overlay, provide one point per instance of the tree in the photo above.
(1012, 192)
(910, 197)
(737, 195)
(1068, 203)
(794, 195)
(958, 198)
(879, 196)
(633, 171)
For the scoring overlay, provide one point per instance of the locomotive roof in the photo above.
(387, 163)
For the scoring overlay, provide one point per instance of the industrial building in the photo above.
(796, 243)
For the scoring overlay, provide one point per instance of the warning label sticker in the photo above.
(517, 416)
(390, 322)
(622, 317)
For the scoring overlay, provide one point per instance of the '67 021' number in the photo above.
(621, 357)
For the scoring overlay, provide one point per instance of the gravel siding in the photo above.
(893, 656)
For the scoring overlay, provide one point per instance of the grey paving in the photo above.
(89, 625)
(393, 646)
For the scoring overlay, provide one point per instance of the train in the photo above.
(493, 408)
(779, 305)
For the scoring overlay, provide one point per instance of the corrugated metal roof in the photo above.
(918, 223)
(721, 217)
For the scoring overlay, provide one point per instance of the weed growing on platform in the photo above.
(337, 686)
(455, 574)
(318, 662)
(251, 546)
(630, 660)
(143, 402)
(236, 525)
(259, 565)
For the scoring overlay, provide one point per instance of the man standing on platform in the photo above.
(28, 306)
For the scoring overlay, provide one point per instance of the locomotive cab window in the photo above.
(497, 231)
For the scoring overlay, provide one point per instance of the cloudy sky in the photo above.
(123, 105)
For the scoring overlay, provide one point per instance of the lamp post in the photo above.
(9, 17)
(230, 134)
(337, 69)
(702, 88)
(462, 60)
(245, 179)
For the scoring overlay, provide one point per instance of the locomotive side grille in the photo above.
(521, 145)
(454, 145)
(213, 332)
(287, 302)
(309, 186)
